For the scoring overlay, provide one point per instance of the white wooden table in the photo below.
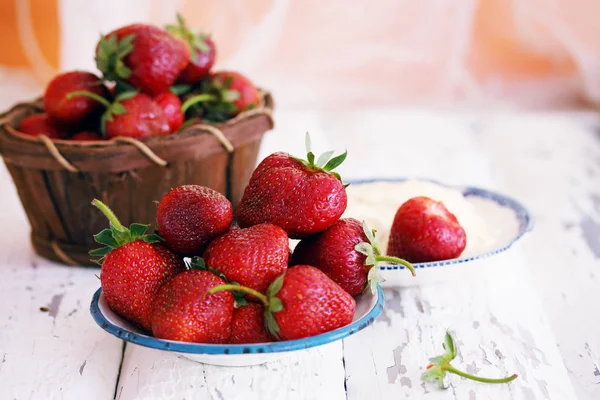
(533, 310)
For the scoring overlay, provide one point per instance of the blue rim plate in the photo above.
(521, 214)
(128, 335)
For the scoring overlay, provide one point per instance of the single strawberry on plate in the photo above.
(184, 309)
(424, 230)
(41, 124)
(223, 95)
(348, 253)
(203, 52)
(134, 267)
(252, 257)
(248, 325)
(73, 111)
(131, 114)
(190, 216)
(301, 303)
(145, 56)
(303, 197)
(171, 106)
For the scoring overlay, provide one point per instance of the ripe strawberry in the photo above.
(144, 56)
(248, 325)
(134, 267)
(348, 253)
(302, 302)
(85, 136)
(303, 197)
(252, 257)
(41, 124)
(223, 96)
(73, 111)
(190, 216)
(131, 114)
(184, 309)
(424, 230)
(171, 107)
(203, 52)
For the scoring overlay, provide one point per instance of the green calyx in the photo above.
(111, 54)
(194, 39)
(372, 250)
(112, 109)
(271, 303)
(324, 163)
(199, 264)
(440, 365)
(118, 235)
(214, 101)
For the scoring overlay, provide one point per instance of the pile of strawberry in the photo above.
(204, 278)
(146, 74)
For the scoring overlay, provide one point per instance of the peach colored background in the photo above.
(337, 53)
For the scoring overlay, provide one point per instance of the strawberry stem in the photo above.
(109, 214)
(91, 95)
(244, 289)
(397, 260)
(453, 370)
(197, 99)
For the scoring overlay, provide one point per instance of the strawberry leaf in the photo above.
(275, 286)
(101, 252)
(323, 158)
(106, 238)
(271, 325)
(275, 305)
(197, 263)
(336, 161)
(138, 230)
(180, 89)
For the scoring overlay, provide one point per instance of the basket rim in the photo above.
(265, 108)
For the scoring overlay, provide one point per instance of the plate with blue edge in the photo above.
(494, 222)
(368, 308)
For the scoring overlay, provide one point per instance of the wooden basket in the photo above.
(57, 180)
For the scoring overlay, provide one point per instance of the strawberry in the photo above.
(184, 309)
(424, 230)
(190, 216)
(73, 111)
(252, 257)
(248, 325)
(85, 136)
(171, 107)
(203, 52)
(144, 56)
(131, 114)
(224, 95)
(134, 267)
(302, 302)
(348, 253)
(303, 197)
(41, 124)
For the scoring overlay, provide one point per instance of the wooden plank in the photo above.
(60, 353)
(305, 375)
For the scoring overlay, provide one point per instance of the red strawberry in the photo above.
(252, 257)
(248, 325)
(225, 95)
(171, 106)
(144, 56)
(203, 52)
(347, 253)
(73, 111)
(41, 124)
(134, 267)
(302, 302)
(85, 136)
(190, 216)
(131, 114)
(303, 197)
(424, 230)
(184, 309)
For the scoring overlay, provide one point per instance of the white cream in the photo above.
(377, 203)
